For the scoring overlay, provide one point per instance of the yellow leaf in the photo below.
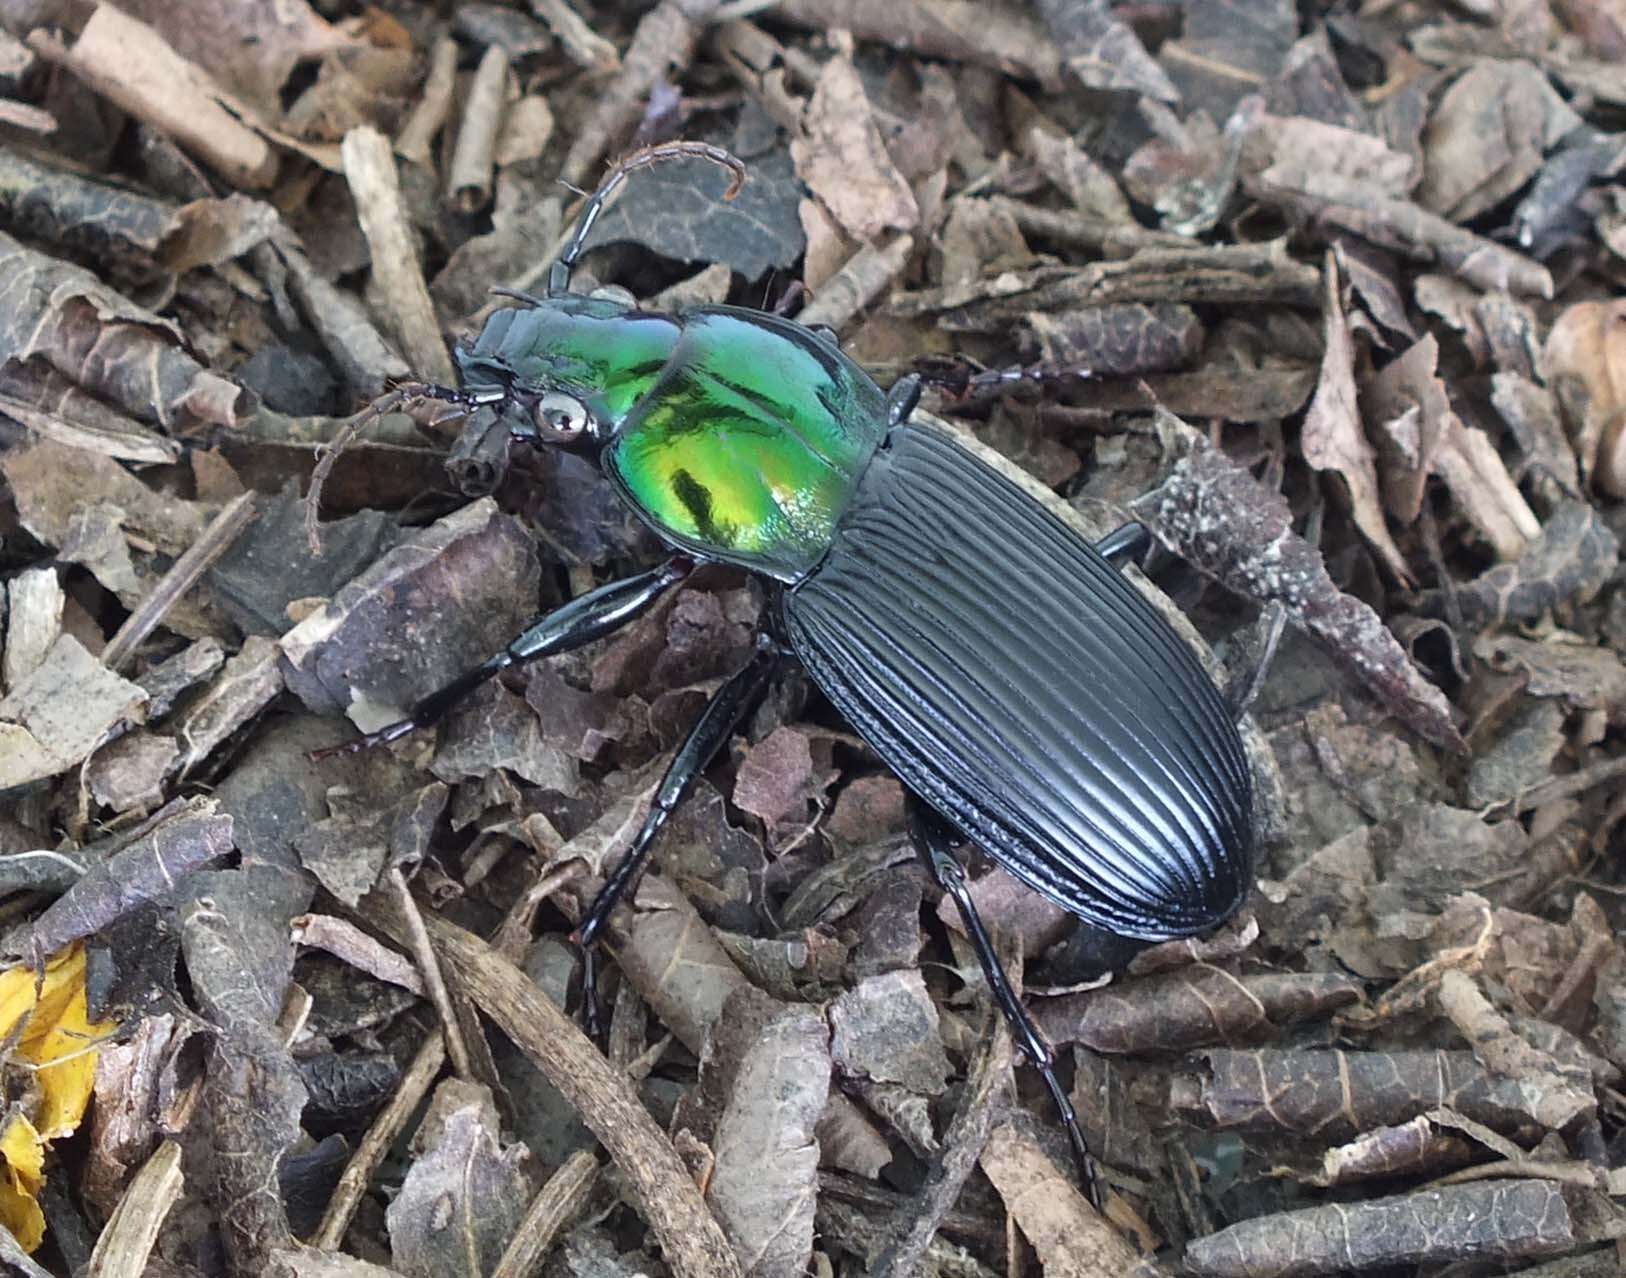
(57, 1036)
(21, 1177)
(64, 973)
(65, 1087)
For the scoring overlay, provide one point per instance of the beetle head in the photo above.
(563, 372)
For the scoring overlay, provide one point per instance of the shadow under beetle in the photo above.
(1030, 698)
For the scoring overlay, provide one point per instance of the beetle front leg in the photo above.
(727, 707)
(592, 616)
(933, 839)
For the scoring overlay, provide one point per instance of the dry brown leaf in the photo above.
(1588, 345)
(251, 46)
(1089, 186)
(462, 1199)
(1333, 199)
(844, 162)
(1298, 143)
(1487, 137)
(60, 713)
(1102, 50)
(1421, 435)
(765, 1184)
(1241, 533)
(1509, 1220)
(1334, 437)
(1070, 1238)
(134, 67)
(1583, 675)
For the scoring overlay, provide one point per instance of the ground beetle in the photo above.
(1030, 698)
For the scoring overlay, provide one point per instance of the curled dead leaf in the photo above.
(1587, 348)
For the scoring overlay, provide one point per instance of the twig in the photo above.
(126, 1244)
(111, 438)
(389, 1124)
(551, 1210)
(1053, 1214)
(429, 965)
(662, 47)
(513, 935)
(222, 531)
(134, 67)
(581, 43)
(915, 1223)
(661, 1188)
(859, 282)
(1566, 786)
(1330, 199)
(369, 167)
(363, 355)
(416, 140)
(474, 158)
(25, 116)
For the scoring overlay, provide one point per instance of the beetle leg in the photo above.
(933, 840)
(592, 616)
(902, 398)
(1241, 692)
(1128, 542)
(723, 713)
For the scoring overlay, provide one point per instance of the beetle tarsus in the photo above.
(1127, 543)
(933, 839)
(723, 713)
(394, 732)
(902, 398)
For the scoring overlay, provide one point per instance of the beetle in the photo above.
(1030, 698)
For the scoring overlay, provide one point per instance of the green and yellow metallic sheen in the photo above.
(596, 348)
(737, 434)
(750, 443)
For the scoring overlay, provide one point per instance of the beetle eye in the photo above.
(560, 418)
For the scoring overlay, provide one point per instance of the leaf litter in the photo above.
(1328, 301)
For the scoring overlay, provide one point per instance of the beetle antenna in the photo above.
(559, 273)
(402, 396)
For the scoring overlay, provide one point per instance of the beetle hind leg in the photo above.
(1128, 543)
(933, 839)
(902, 398)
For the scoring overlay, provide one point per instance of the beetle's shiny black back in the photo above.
(1022, 686)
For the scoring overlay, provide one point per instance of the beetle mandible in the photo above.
(1029, 697)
